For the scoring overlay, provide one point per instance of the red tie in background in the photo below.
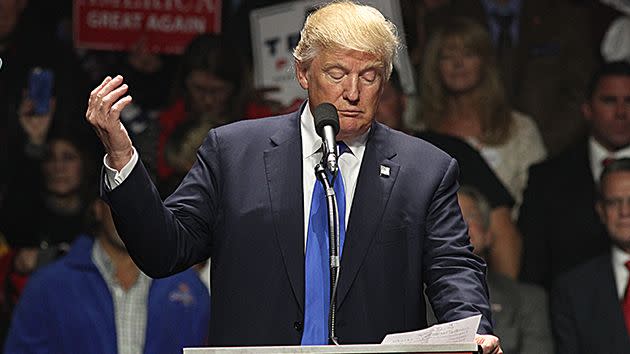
(625, 303)
(607, 161)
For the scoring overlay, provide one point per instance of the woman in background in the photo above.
(45, 207)
(211, 83)
(462, 95)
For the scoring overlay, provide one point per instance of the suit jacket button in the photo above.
(298, 325)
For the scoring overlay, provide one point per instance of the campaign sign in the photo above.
(163, 26)
(275, 32)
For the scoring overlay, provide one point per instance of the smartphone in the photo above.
(40, 86)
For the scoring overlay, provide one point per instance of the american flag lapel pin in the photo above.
(384, 171)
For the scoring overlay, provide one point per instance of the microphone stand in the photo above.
(333, 241)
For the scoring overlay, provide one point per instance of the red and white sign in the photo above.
(165, 26)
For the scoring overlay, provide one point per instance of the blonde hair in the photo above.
(491, 102)
(345, 25)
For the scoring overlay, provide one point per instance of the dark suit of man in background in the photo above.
(244, 204)
(588, 302)
(558, 220)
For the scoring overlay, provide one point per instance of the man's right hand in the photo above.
(103, 113)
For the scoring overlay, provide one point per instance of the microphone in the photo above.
(327, 127)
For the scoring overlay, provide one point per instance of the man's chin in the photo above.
(351, 131)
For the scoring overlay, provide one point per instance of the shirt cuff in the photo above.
(114, 178)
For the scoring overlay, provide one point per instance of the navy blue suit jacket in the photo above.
(560, 226)
(242, 205)
(586, 313)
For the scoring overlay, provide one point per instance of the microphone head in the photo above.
(325, 114)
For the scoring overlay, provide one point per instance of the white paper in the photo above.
(460, 331)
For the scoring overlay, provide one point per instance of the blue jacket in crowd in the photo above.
(67, 308)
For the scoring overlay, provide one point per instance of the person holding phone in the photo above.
(37, 108)
(44, 206)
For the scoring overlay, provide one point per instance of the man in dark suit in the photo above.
(558, 220)
(246, 202)
(591, 303)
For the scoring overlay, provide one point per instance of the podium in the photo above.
(459, 348)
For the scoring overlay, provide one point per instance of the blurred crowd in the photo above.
(531, 97)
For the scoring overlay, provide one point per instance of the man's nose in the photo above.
(625, 207)
(351, 90)
(458, 60)
(56, 165)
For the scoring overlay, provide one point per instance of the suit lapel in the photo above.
(370, 199)
(583, 176)
(609, 310)
(283, 168)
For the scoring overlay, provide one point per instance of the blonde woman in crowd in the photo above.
(462, 95)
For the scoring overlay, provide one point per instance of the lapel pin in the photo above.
(384, 171)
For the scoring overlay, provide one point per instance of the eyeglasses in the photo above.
(616, 203)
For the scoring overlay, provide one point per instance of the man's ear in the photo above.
(488, 238)
(301, 72)
(599, 207)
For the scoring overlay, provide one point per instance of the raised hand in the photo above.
(35, 126)
(103, 113)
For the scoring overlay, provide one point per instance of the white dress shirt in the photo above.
(349, 165)
(598, 154)
(130, 306)
(619, 259)
(114, 178)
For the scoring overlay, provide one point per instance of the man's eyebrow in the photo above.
(374, 65)
(377, 68)
(328, 66)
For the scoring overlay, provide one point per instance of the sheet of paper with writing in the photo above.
(460, 331)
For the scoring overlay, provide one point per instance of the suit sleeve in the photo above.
(455, 277)
(164, 238)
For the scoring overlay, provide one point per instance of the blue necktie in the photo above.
(317, 265)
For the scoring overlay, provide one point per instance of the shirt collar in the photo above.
(102, 261)
(311, 142)
(106, 267)
(597, 153)
(619, 257)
